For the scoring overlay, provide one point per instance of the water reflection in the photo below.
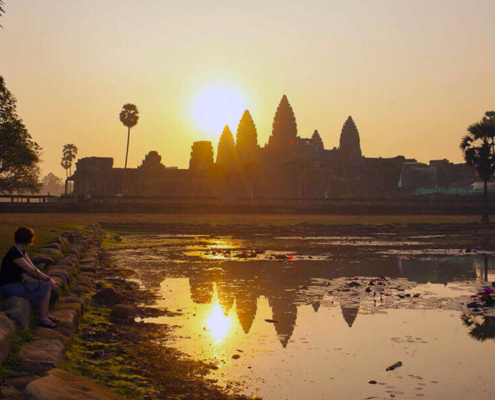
(298, 322)
(287, 285)
(218, 323)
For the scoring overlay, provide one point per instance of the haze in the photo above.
(413, 74)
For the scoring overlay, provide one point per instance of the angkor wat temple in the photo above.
(288, 166)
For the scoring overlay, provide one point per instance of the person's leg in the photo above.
(43, 309)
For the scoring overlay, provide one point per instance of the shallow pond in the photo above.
(283, 318)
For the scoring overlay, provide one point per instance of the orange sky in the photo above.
(413, 74)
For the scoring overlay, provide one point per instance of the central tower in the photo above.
(284, 132)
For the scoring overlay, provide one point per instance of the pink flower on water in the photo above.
(488, 290)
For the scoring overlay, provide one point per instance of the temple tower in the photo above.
(284, 132)
(247, 138)
(247, 135)
(350, 144)
(201, 156)
(316, 141)
(226, 154)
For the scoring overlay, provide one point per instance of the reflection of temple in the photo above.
(350, 312)
(284, 286)
(288, 166)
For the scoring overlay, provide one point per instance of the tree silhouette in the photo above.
(2, 11)
(478, 149)
(65, 164)
(52, 184)
(129, 117)
(19, 154)
(69, 153)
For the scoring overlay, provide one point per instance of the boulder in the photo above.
(39, 356)
(123, 312)
(19, 310)
(106, 297)
(7, 329)
(40, 259)
(62, 385)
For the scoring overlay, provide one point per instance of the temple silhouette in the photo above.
(288, 166)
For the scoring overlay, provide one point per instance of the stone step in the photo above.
(62, 385)
(40, 356)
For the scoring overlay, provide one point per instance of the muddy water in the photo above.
(314, 318)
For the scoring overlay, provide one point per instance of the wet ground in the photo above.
(290, 316)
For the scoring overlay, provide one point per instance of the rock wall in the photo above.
(71, 259)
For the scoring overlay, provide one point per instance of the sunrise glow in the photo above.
(215, 106)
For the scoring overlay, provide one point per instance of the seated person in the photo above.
(14, 264)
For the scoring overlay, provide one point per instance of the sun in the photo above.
(217, 105)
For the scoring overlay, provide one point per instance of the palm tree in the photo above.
(69, 152)
(65, 163)
(478, 148)
(129, 117)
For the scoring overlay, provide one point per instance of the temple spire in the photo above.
(226, 148)
(247, 135)
(350, 144)
(284, 132)
(316, 141)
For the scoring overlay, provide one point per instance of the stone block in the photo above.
(60, 280)
(73, 299)
(77, 307)
(52, 334)
(62, 385)
(87, 267)
(39, 356)
(84, 281)
(19, 310)
(62, 241)
(47, 250)
(68, 318)
(88, 260)
(7, 329)
(40, 259)
(80, 289)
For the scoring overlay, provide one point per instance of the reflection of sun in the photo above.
(216, 106)
(218, 323)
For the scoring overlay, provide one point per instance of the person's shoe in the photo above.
(48, 324)
(53, 319)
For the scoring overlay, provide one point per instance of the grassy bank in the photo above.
(48, 226)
